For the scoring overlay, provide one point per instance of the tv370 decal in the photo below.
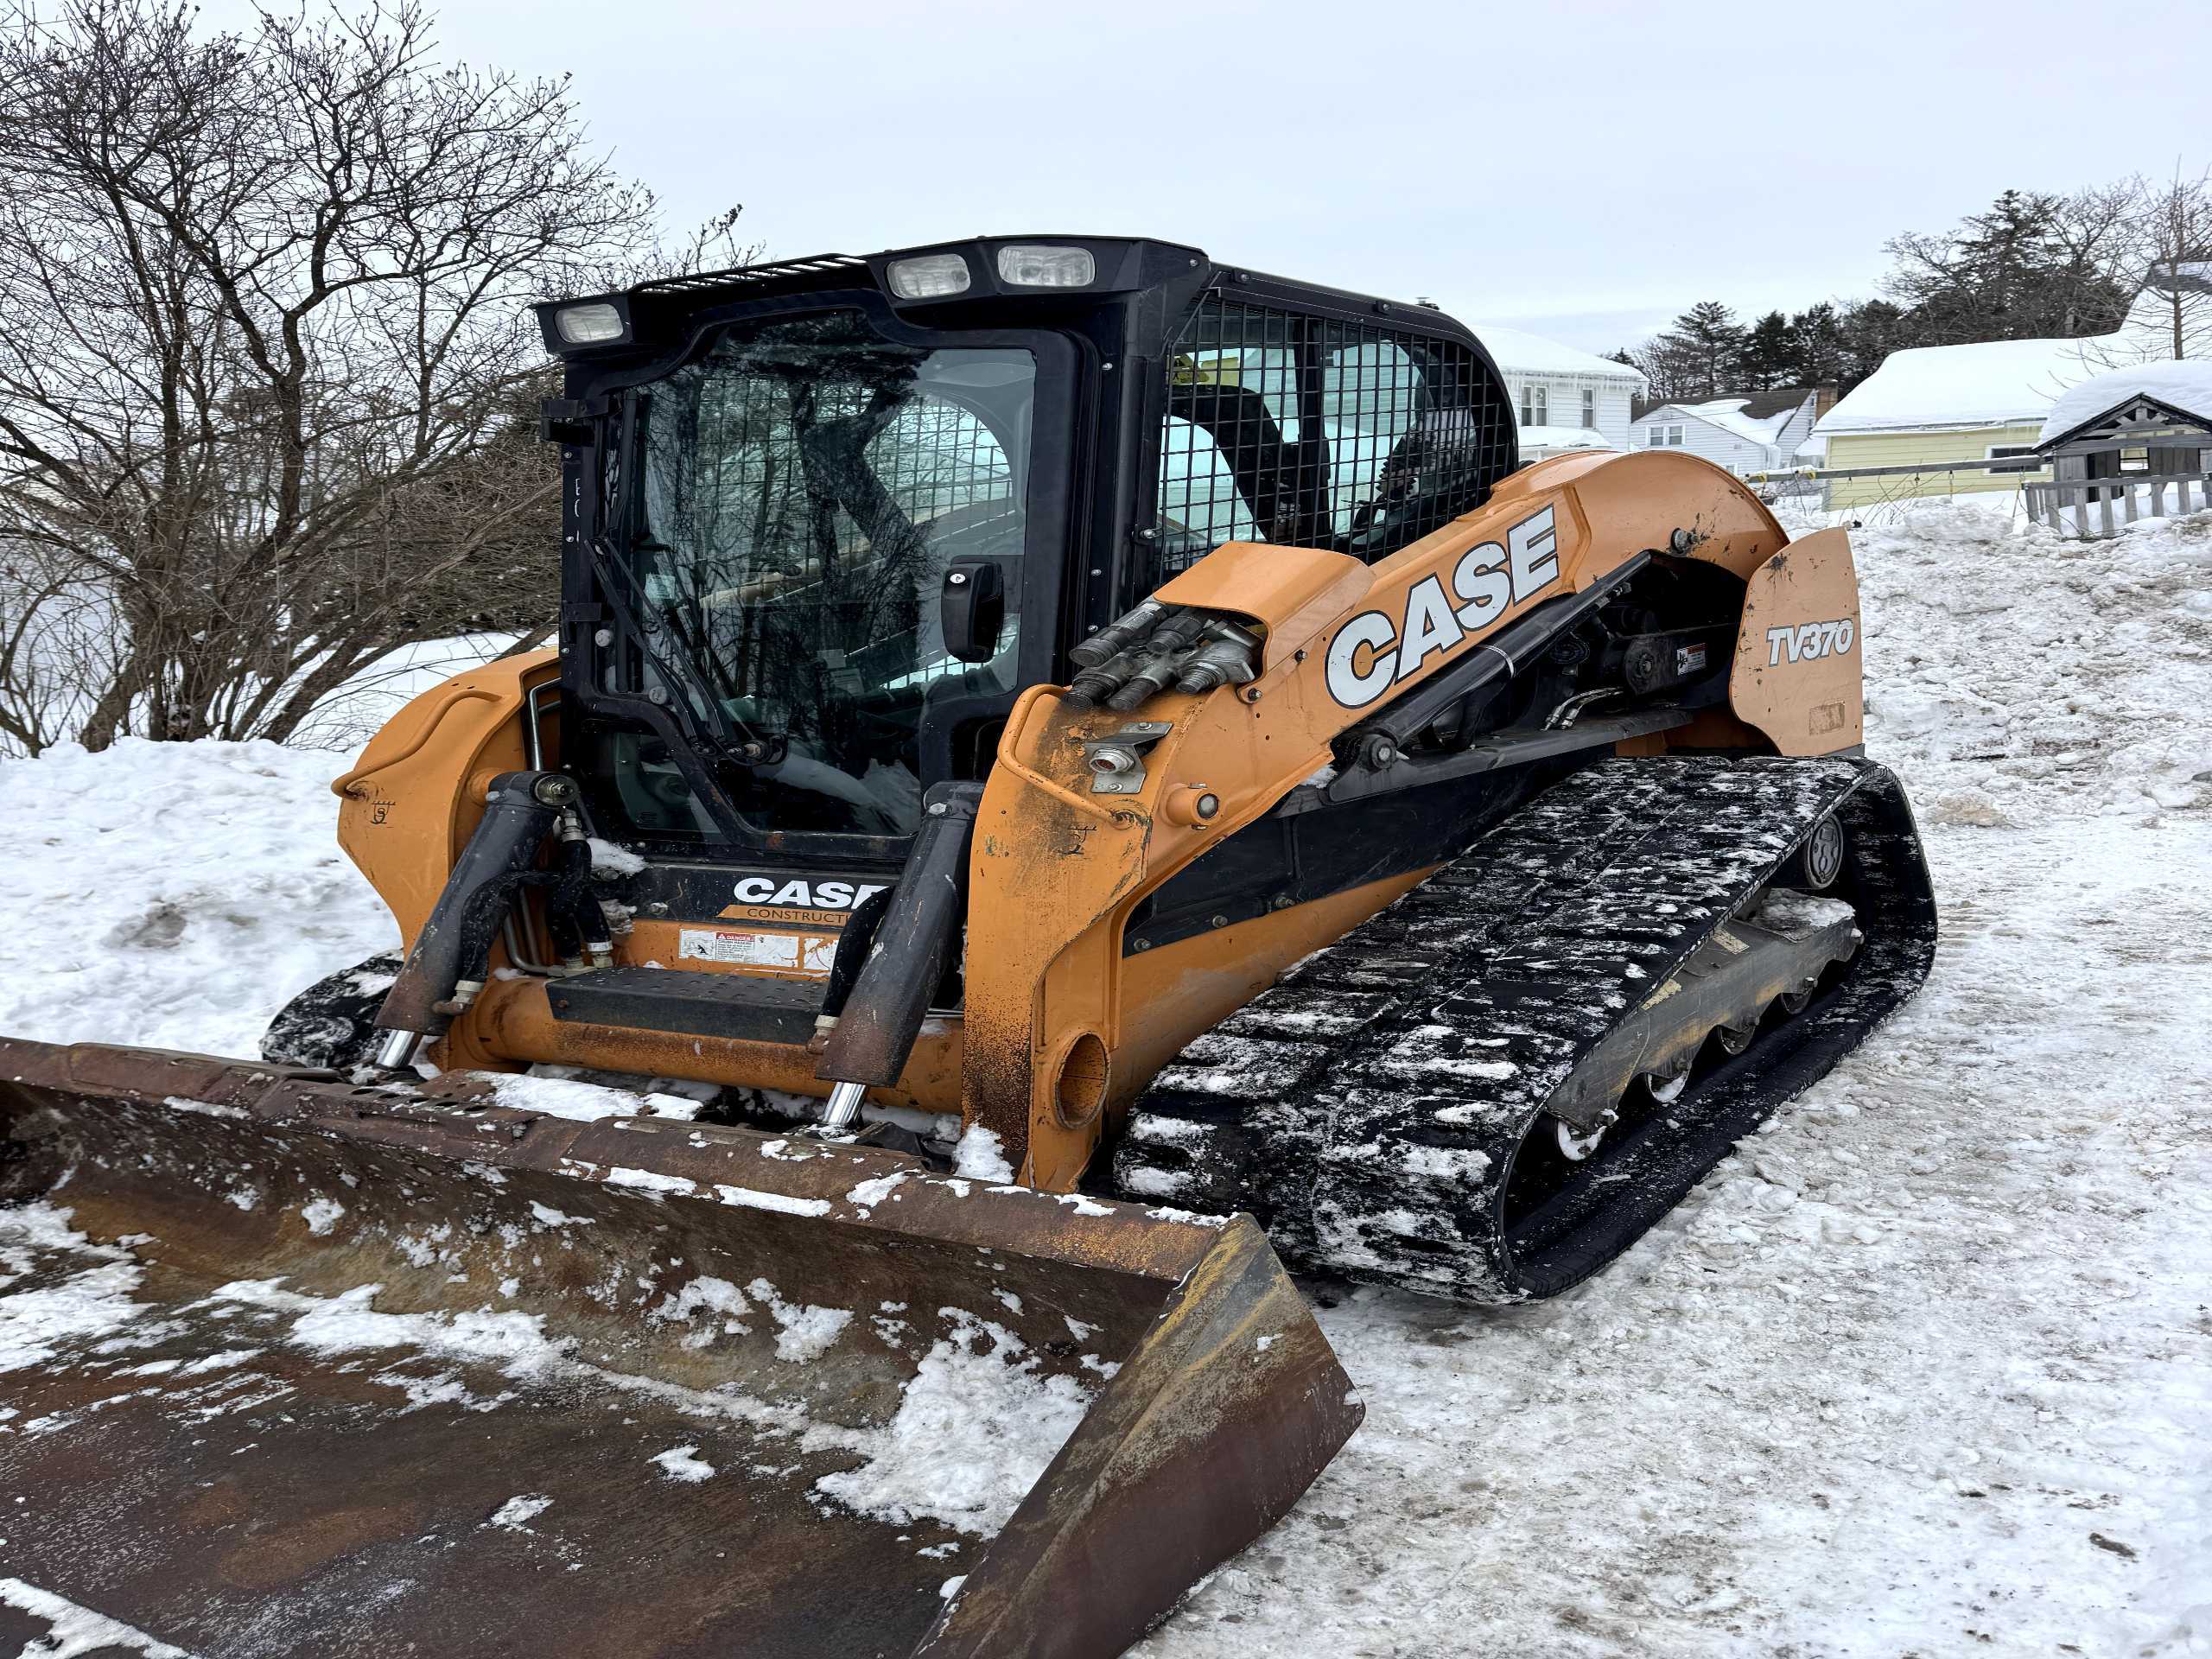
(1808, 642)
(1487, 582)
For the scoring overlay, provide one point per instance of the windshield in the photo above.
(802, 488)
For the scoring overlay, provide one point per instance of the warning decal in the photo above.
(797, 953)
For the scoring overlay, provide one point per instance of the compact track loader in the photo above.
(1098, 767)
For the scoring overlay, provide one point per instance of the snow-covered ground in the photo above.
(1925, 1368)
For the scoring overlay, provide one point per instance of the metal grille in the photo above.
(1310, 432)
(740, 277)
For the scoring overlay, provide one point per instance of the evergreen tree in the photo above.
(1868, 330)
(1816, 348)
(1768, 357)
(1705, 343)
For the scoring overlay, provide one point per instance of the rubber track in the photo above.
(1368, 1106)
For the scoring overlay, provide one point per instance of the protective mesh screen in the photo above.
(1310, 432)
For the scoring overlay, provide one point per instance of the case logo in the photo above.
(801, 893)
(1488, 580)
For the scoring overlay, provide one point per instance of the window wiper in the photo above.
(696, 700)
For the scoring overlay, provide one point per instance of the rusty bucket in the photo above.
(290, 1366)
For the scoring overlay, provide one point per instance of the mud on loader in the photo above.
(1117, 778)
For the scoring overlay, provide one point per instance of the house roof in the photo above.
(1991, 383)
(1759, 405)
(2183, 386)
(1533, 354)
(1754, 420)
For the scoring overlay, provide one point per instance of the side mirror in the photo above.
(973, 608)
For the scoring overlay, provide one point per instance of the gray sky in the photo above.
(1581, 170)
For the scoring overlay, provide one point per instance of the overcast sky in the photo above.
(1584, 171)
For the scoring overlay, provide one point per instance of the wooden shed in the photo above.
(2128, 444)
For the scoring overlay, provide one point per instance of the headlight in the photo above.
(1036, 267)
(928, 277)
(588, 325)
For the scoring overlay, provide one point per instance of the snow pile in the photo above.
(174, 895)
(974, 1431)
(2012, 672)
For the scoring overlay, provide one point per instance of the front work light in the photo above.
(588, 325)
(1036, 267)
(928, 277)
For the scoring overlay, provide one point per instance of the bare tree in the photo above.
(266, 368)
(2175, 228)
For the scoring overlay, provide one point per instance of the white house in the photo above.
(1744, 435)
(1565, 399)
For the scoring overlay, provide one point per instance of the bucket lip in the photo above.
(824, 1182)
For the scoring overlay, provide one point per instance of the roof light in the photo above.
(588, 325)
(928, 277)
(1038, 267)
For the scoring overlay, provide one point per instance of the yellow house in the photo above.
(1938, 404)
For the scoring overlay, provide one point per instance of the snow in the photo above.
(1902, 1373)
(73, 1631)
(1727, 414)
(608, 859)
(519, 1510)
(583, 1102)
(677, 1463)
(981, 1155)
(866, 1195)
(53, 1308)
(1534, 438)
(1517, 351)
(1992, 383)
(174, 895)
(652, 1181)
(750, 1198)
(803, 1332)
(973, 1432)
(1800, 913)
(2182, 384)
(1912, 1369)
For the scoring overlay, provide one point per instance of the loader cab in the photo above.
(825, 520)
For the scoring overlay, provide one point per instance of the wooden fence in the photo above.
(2097, 507)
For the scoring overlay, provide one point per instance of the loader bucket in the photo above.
(288, 1366)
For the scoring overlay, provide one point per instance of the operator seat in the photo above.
(1276, 478)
